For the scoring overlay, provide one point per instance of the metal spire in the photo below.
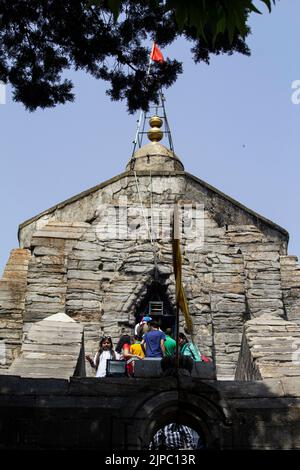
(157, 110)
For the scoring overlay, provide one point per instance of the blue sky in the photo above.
(233, 123)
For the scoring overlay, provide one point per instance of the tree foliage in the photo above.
(111, 40)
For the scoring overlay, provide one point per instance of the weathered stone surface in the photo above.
(51, 348)
(12, 304)
(290, 273)
(232, 271)
(270, 349)
(234, 415)
(235, 270)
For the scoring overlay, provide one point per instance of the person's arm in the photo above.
(143, 345)
(133, 355)
(127, 354)
(116, 356)
(126, 351)
(186, 351)
(162, 346)
(189, 438)
(90, 360)
(157, 440)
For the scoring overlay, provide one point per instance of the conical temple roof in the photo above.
(154, 156)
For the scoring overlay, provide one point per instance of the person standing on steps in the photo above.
(104, 353)
(153, 342)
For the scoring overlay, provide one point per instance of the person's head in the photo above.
(136, 338)
(106, 343)
(146, 319)
(154, 325)
(124, 339)
(168, 331)
(125, 331)
(182, 339)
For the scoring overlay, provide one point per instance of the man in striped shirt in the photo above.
(173, 436)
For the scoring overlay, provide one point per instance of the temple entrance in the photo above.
(157, 305)
(179, 420)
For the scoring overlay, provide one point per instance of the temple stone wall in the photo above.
(121, 414)
(165, 186)
(290, 282)
(47, 270)
(85, 267)
(12, 305)
(270, 349)
(236, 270)
(53, 347)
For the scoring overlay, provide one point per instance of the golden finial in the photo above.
(155, 134)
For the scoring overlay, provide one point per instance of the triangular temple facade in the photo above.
(95, 257)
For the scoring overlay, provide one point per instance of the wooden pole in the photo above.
(177, 337)
(176, 237)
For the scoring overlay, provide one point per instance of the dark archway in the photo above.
(208, 418)
(183, 413)
(156, 304)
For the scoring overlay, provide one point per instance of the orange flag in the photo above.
(156, 54)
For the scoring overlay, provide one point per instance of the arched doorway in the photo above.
(209, 419)
(183, 414)
(157, 305)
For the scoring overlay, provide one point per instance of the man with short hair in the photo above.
(153, 342)
(170, 343)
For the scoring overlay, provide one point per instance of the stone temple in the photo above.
(93, 264)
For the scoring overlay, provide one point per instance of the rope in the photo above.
(146, 221)
(154, 246)
(142, 206)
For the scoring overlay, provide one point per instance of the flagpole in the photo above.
(177, 338)
(175, 237)
(181, 300)
(142, 113)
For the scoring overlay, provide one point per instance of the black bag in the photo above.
(115, 368)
